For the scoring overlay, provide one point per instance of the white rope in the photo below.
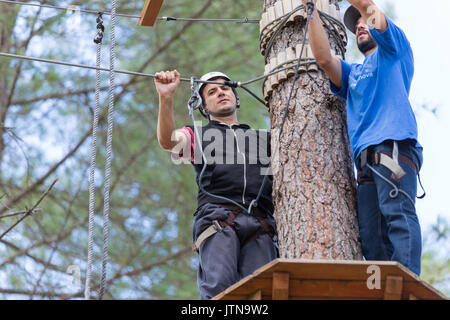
(98, 40)
(108, 151)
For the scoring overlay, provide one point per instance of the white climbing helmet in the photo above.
(208, 77)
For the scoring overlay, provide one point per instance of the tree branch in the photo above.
(30, 211)
(46, 175)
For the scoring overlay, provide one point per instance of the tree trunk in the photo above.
(314, 185)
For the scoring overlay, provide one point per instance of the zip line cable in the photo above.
(245, 20)
(84, 66)
(140, 74)
(75, 8)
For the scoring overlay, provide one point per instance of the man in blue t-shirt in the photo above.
(382, 129)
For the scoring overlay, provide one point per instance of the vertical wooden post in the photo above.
(394, 288)
(150, 12)
(280, 286)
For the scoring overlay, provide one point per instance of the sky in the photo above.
(426, 25)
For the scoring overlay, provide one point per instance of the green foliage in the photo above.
(436, 257)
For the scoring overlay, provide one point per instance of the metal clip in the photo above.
(217, 226)
(194, 100)
(192, 84)
(252, 205)
(100, 29)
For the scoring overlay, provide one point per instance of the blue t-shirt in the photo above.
(377, 92)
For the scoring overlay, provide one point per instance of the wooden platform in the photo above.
(323, 279)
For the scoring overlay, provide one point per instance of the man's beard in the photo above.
(367, 45)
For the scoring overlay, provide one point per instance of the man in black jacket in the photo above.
(232, 240)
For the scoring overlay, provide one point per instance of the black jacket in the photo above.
(238, 157)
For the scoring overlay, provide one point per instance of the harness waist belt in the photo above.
(217, 226)
(386, 159)
(401, 158)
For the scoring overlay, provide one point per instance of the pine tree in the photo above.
(314, 185)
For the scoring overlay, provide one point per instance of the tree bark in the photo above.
(314, 185)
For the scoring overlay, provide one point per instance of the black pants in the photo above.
(223, 261)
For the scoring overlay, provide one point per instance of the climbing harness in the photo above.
(218, 226)
(390, 160)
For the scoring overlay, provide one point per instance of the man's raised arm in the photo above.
(166, 83)
(321, 49)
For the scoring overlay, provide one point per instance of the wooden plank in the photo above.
(338, 270)
(393, 288)
(150, 12)
(421, 291)
(322, 289)
(280, 286)
(246, 287)
(281, 58)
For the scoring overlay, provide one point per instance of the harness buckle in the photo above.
(217, 226)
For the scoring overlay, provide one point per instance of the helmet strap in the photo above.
(220, 115)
